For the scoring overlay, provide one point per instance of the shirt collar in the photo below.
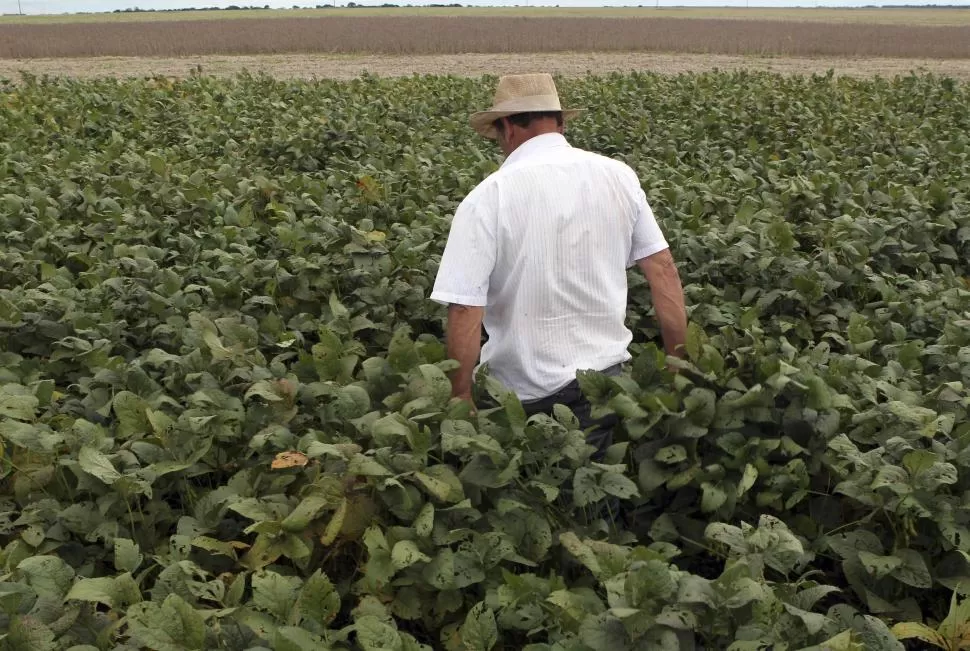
(536, 145)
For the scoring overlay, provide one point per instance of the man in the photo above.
(539, 252)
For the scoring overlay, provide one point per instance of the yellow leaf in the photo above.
(335, 525)
(842, 642)
(909, 630)
(289, 460)
(961, 637)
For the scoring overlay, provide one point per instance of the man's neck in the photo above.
(533, 135)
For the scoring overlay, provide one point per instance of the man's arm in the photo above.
(464, 338)
(668, 299)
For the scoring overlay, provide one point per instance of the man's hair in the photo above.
(525, 119)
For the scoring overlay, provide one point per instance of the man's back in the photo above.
(544, 244)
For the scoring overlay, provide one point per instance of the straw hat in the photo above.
(520, 94)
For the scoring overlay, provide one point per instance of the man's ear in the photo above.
(507, 127)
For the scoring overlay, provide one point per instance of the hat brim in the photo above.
(483, 122)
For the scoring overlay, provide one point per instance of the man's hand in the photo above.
(464, 337)
(668, 300)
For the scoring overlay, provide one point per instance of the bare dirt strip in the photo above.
(473, 65)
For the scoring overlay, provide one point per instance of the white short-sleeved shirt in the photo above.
(544, 245)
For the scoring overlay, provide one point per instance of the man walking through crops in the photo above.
(538, 253)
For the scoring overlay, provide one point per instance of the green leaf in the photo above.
(376, 635)
(743, 592)
(671, 454)
(695, 590)
(509, 402)
(701, 406)
(913, 570)
(49, 576)
(874, 634)
(275, 594)
(807, 598)
(264, 389)
(17, 401)
(254, 510)
(401, 353)
(441, 482)
(392, 426)
(440, 572)
(304, 513)
(132, 413)
(879, 566)
(406, 553)
(844, 641)
(479, 632)
(727, 535)
(215, 546)
(236, 590)
(431, 382)
(100, 590)
(581, 552)
(748, 478)
(586, 488)
(649, 583)
(713, 497)
(291, 638)
(27, 633)
(97, 464)
(696, 338)
(127, 555)
(319, 600)
(32, 436)
(618, 485)
(604, 632)
(677, 618)
(361, 464)
(424, 523)
(912, 414)
(173, 625)
(9, 312)
(814, 622)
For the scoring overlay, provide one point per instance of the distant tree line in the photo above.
(357, 5)
(139, 10)
(351, 5)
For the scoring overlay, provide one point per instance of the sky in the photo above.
(69, 6)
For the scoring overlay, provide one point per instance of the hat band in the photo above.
(528, 104)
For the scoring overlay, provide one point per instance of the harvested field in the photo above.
(497, 34)
(298, 66)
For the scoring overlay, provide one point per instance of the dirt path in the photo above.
(570, 64)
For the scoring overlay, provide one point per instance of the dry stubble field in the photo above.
(343, 43)
(570, 64)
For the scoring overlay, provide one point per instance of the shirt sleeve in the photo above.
(469, 256)
(647, 236)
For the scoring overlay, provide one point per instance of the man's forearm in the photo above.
(668, 300)
(464, 339)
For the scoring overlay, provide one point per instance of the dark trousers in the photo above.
(601, 436)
